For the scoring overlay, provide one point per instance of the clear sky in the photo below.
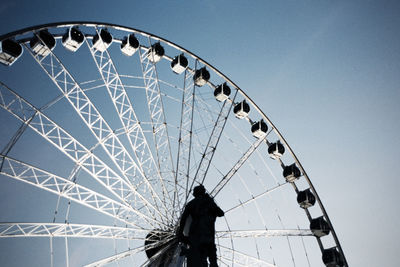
(327, 73)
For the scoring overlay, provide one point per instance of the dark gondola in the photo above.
(319, 227)
(102, 40)
(305, 199)
(10, 51)
(222, 92)
(179, 64)
(291, 173)
(156, 52)
(276, 150)
(73, 39)
(241, 109)
(201, 76)
(259, 129)
(129, 45)
(332, 258)
(42, 43)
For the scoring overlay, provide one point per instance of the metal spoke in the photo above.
(236, 167)
(78, 153)
(158, 120)
(56, 71)
(65, 188)
(254, 198)
(241, 259)
(130, 122)
(116, 258)
(213, 140)
(14, 230)
(186, 130)
(262, 233)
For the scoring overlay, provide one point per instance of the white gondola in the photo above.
(319, 227)
(42, 43)
(155, 53)
(73, 39)
(179, 64)
(201, 76)
(10, 51)
(306, 199)
(332, 258)
(241, 110)
(222, 92)
(291, 173)
(102, 40)
(259, 129)
(129, 45)
(276, 150)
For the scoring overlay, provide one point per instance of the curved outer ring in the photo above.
(128, 29)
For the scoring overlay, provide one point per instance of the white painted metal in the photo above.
(262, 233)
(236, 167)
(82, 156)
(69, 230)
(93, 119)
(70, 190)
(132, 127)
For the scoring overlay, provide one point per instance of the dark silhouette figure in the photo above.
(201, 239)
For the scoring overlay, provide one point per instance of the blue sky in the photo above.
(325, 72)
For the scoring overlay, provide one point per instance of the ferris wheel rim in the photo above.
(205, 63)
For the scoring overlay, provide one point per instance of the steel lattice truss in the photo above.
(68, 145)
(68, 189)
(142, 152)
(68, 230)
(241, 259)
(90, 115)
(185, 130)
(156, 111)
(131, 125)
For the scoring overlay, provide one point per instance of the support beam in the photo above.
(65, 188)
(131, 124)
(68, 145)
(13, 230)
(236, 167)
(262, 233)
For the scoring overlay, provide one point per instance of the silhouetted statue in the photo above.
(201, 239)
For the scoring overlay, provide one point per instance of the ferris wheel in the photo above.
(106, 130)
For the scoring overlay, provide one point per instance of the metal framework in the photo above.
(68, 230)
(186, 130)
(57, 136)
(131, 123)
(96, 123)
(158, 121)
(145, 188)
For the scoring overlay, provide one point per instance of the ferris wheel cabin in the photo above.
(276, 150)
(332, 258)
(156, 52)
(42, 43)
(10, 51)
(222, 92)
(319, 227)
(241, 110)
(306, 199)
(201, 76)
(73, 39)
(129, 45)
(291, 173)
(102, 40)
(179, 64)
(259, 129)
